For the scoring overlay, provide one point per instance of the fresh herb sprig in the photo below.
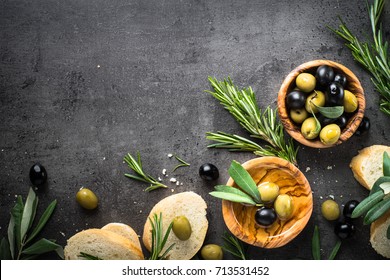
(136, 166)
(20, 243)
(316, 246)
(372, 56)
(183, 163)
(247, 191)
(377, 203)
(88, 256)
(235, 246)
(261, 124)
(159, 239)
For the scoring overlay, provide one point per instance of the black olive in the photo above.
(349, 207)
(295, 99)
(265, 216)
(334, 95)
(341, 79)
(208, 172)
(38, 175)
(324, 75)
(324, 121)
(342, 121)
(344, 229)
(363, 127)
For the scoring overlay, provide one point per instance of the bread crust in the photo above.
(124, 230)
(364, 170)
(193, 207)
(103, 244)
(378, 238)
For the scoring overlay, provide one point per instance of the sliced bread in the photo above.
(378, 235)
(367, 166)
(103, 244)
(124, 230)
(193, 207)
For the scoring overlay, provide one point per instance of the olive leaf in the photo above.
(5, 253)
(385, 187)
(14, 233)
(367, 203)
(28, 213)
(88, 256)
(40, 247)
(388, 232)
(244, 180)
(232, 194)
(386, 164)
(330, 112)
(377, 211)
(376, 187)
(335, 250)
(315, 244)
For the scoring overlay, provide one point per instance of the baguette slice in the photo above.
(126, 231)
(367, 166)
(193, 207)
(102, 244)
(378, 235)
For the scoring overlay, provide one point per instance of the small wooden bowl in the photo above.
(288, 84)
(240, 219)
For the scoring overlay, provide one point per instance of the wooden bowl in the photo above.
(288, 84)
(240, 219)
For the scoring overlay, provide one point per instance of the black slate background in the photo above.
(82, 83)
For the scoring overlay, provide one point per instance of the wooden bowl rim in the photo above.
(293, 130)
(287, 235)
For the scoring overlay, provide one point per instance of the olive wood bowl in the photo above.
(240, 219)
(353, 85)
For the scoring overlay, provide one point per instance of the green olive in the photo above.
(330, 134)
(181, 227)
(211, 252)
(87, 199)
(330, 210)
(350, 102)
(317, 98)
(268, 191)
(298, 115)
(284, 206)
(309, 128)
(305, 82)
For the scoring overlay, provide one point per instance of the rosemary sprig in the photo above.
(235, 246)
(373, 57)
(182, 163)
(159, 239)
(88, 256)
(261, 124)
(136, 166)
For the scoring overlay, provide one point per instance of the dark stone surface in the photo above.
(82, 83)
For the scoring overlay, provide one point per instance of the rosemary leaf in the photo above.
(261, 124)
(316, 252)
(159, 238)
(183, 164)
(136, 166)
(234, 246)
(88, 256)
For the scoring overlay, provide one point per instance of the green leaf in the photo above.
(331, 112)
(40, 247)
(377, 211)
(88, 256)
(335, 250)
(234, 246)
(376, 187)
(244, 180)
(386, 164)
(5, 253)
(232, 190)
(315, 243)
(367, 203)
(233, 197)
(388, 232)
(28, 213)
(43, 220)
(385, 187)
(14, 234)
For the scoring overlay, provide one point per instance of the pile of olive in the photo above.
(331, 211)
(275, 205)
(326, 88)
